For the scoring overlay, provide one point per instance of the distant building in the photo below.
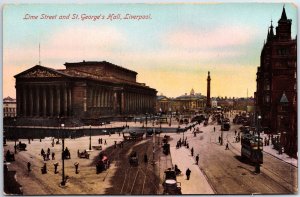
(276, 92)
(9, 107)
(214, 103)
(192, 102)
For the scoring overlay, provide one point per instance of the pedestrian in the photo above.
(187, 145)
(55, 167)
(192, 151)
(197, 159)
(48, 151)
(99, 141)
(28, 166)
(28, 140)
(42, 152)
(227, 147)
(220, 139)
(235, 132)
(53, 155)
(188, 173)
(105, 142)
(214, 129)
(44, 169)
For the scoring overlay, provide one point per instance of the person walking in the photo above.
(188, 173)
(227, 147)
(192, 151)
(197, 159)
(214, 129)
(29, 166)
(235, 132)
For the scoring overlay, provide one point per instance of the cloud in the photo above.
(84, 42)
(219, 37)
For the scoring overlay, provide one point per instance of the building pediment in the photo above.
(40, 72)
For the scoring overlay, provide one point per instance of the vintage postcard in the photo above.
(150, 99)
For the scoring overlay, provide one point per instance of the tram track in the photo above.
(277, 176)
(137, 178)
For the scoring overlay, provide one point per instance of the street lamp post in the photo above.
(257, 166)
(170, 116)
(90, 147)
(63, 182)
(15, 126)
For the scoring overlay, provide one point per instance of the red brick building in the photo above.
(276, 95)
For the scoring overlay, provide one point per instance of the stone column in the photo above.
(101, 98)
(19, 96)
(69, 101)
(115, 102)
(58, 100)
(65, 101)
(37, 89)
(122, 103)
(97, 101)
(30, 101)
(44, 100)
(51, 100)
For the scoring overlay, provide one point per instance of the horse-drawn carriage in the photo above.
(166, 138)
(83, 154)
(133, 136)
(133, 159)
(103, 163)
(9, 156)
(66, 154)
(170, 184)
(21, 146)
(99, 147)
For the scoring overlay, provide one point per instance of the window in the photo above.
(267, 98)
(267, 85)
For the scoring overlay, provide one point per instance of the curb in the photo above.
(280, 159)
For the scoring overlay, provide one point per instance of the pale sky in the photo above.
(172, 52)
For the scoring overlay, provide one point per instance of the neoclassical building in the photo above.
(185, 103)
(87, 89)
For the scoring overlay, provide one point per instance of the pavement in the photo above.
(197, 183)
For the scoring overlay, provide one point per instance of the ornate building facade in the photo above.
(193, 102)
(276, 95)
(83, 90)
(9, 107)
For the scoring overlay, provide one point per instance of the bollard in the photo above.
(76, 164)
